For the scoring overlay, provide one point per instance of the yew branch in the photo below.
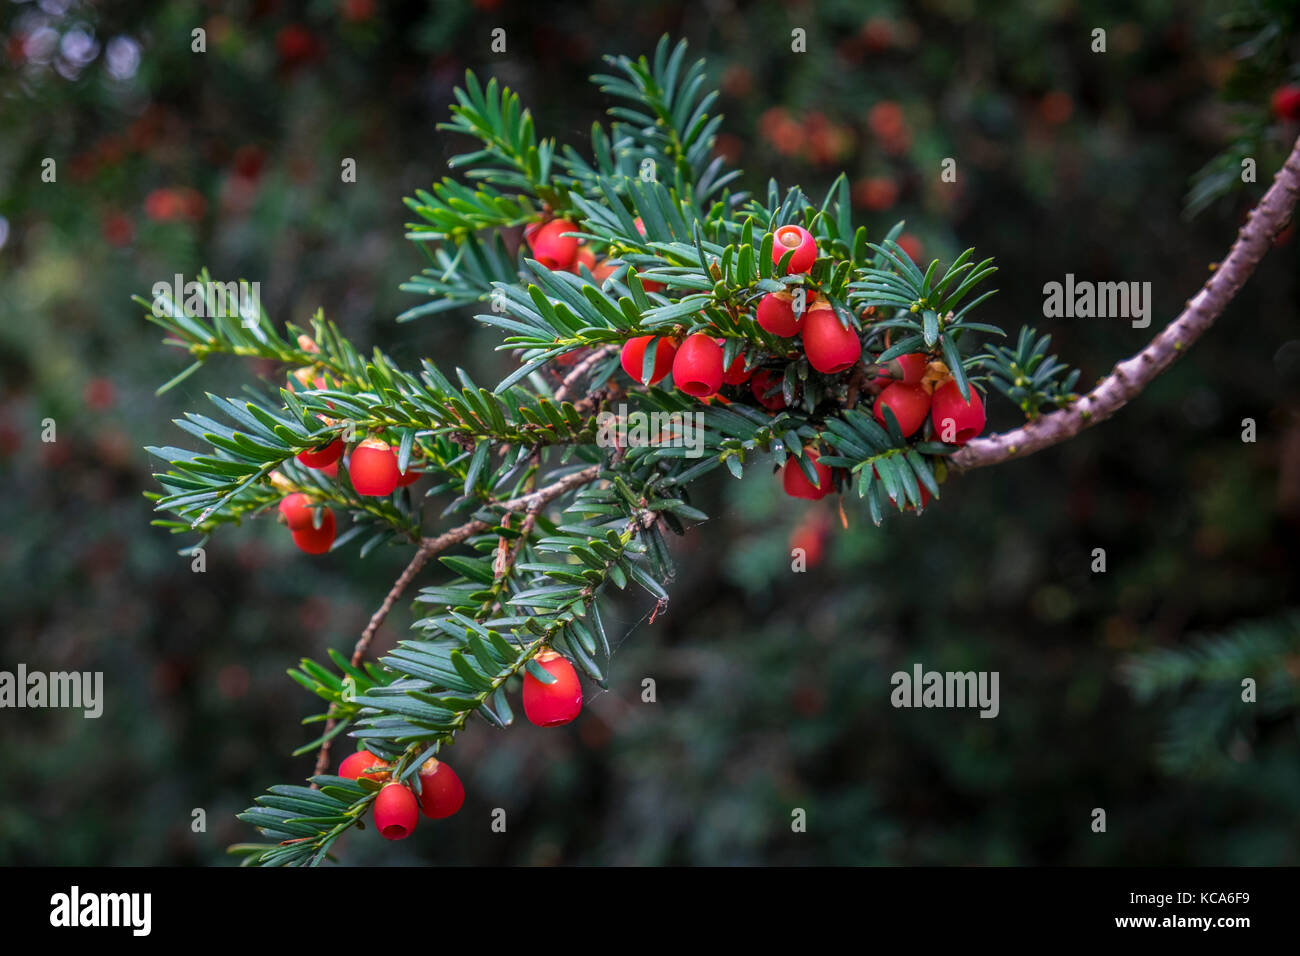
(532, 503)
(1130, 377)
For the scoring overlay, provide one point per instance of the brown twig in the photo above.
(581, 369)
(533, 502)
(1130, 377)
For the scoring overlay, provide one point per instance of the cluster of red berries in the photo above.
(920, 387)
(373, 470)
(819, 139)
(397, 809)
(698, 363)
(914, 387)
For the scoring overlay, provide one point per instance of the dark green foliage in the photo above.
(1029, 376)
(1231, 692)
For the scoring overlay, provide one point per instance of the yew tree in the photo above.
(628, 278)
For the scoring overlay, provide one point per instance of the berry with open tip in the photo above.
(801, 241)
(697, 367)
(396, 811)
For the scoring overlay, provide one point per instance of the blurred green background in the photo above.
(773, 687)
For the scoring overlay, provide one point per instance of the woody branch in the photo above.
(1130, 377)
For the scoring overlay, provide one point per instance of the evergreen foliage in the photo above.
(553, 515)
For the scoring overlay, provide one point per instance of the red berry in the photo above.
(830, 347)
(633, 357)
(550, 248)
(296, 45)
(358, 10)
(569, 359)
(1286, 102)
(764, 381)
(650, 285)
(99, 394)
(410, 478)
(956, 421)
(118, 229)
(321, 457)
(801, 241)
(354, 766)
(297, 511)
(584, 257)
(796, 483)
(925, 500)
(331, 470)
(909, 403)
(316, 540)
(441, 792)
(911, 246)
(925, 494)
(396, 811)
(697, 368)
(248, 162)
(810, 536)
(776, 314)
(192, 203)
(907, 369)
(876, 193)
(373, 468)
(736, 373)
(550, 705)
(604, 269)
(163, 205)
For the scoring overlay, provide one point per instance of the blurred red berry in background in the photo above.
(781, 132)
(296, 45)
(1056, 107)
(875, 193)
(248, 161)
(912, 246)
(117, 229)
(737, 81)
(878, 34)
(99, 394)
(886, 119)
(1286, 102)
(162, 205)
(357, 11)
(810, 534)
